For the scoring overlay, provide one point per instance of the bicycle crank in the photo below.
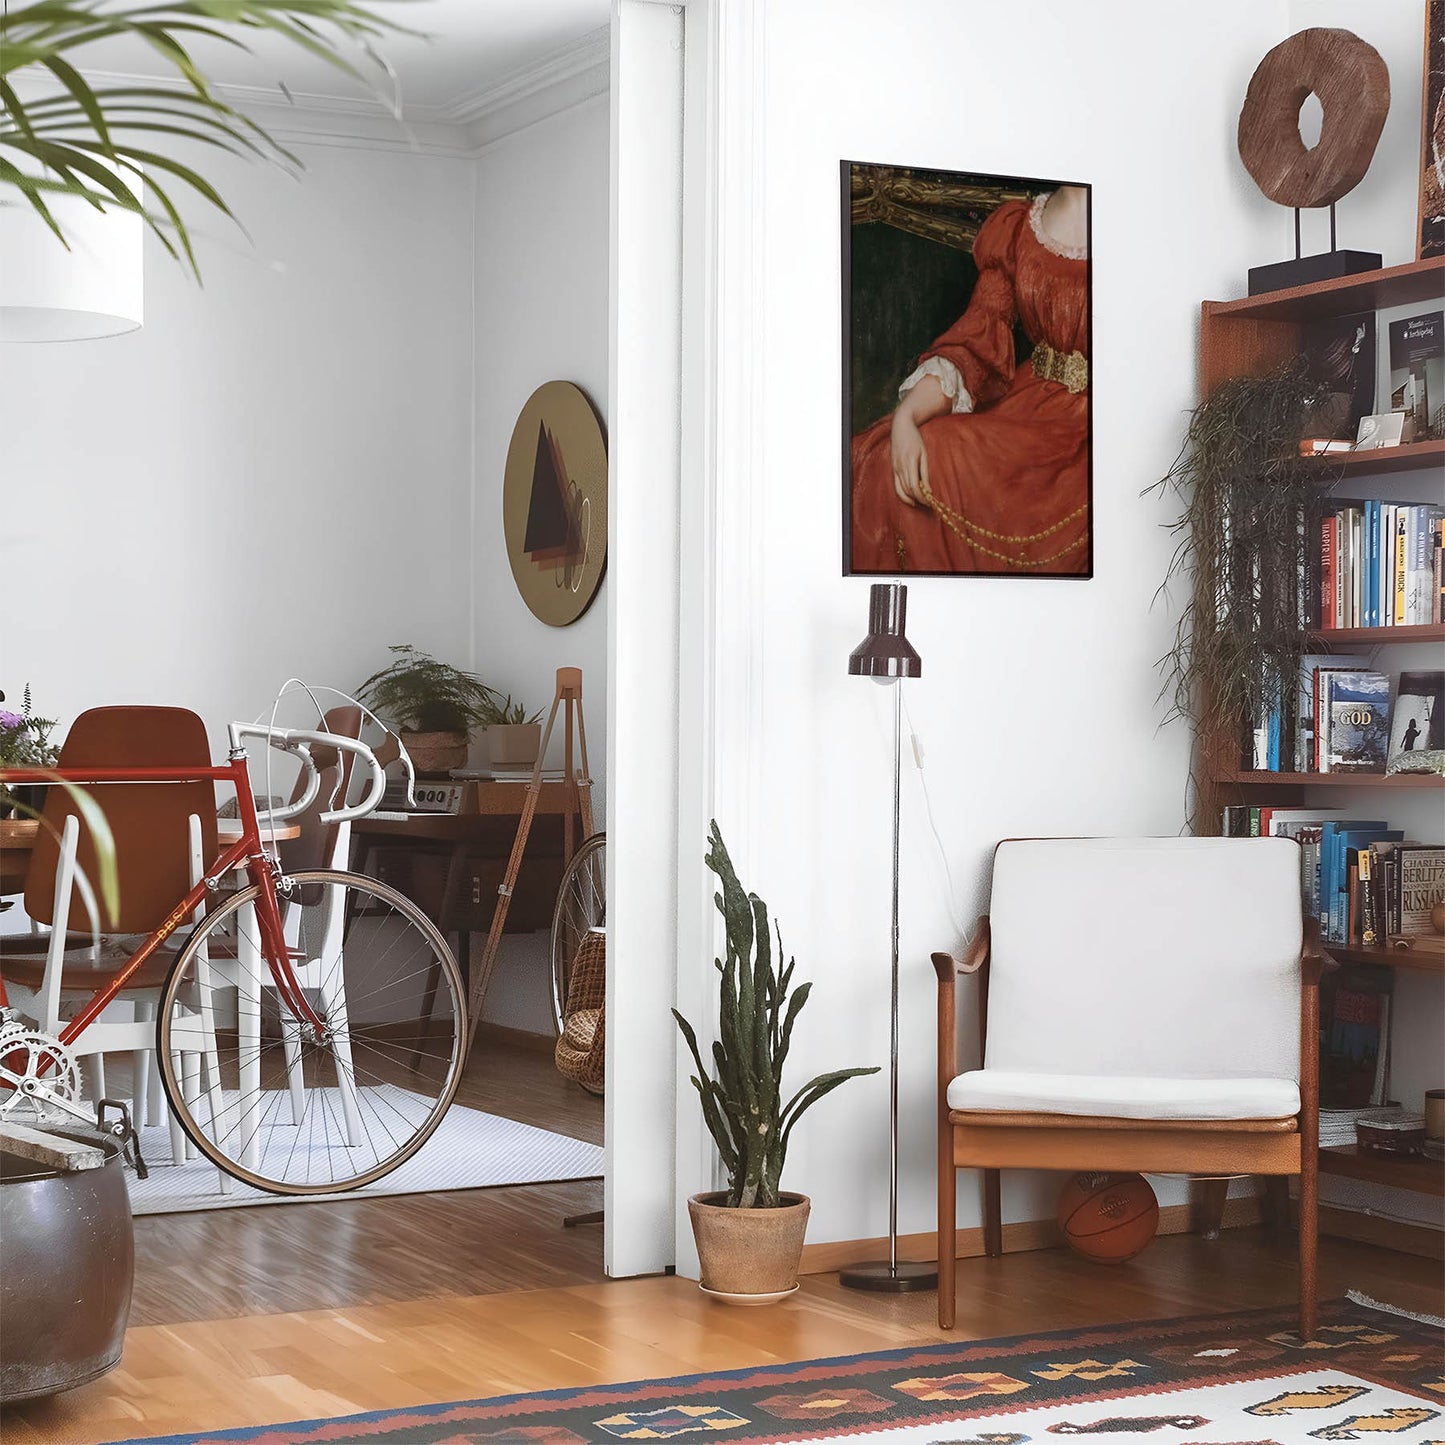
(37, 1074)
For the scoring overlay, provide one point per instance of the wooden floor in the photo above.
(266, 1369)
(256, 1316)
(225, 1263)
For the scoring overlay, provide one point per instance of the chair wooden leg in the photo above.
(1308, 1244)
(1206, 1198)
(992, 1214)
(947, 1221)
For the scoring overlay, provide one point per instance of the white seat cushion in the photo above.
(1119, 1097)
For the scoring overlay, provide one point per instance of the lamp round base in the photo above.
(882, 1278)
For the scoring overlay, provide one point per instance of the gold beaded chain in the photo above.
(971, 531)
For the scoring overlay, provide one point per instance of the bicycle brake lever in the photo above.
(125, 1131)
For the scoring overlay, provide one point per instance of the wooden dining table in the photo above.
(18, 835)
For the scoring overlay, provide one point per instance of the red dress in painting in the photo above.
(1008, 467)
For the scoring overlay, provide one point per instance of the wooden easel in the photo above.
(578, 784)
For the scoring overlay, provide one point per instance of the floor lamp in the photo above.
(886, 656)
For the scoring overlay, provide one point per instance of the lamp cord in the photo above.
(955, 914)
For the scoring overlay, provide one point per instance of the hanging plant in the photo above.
(1247, 494)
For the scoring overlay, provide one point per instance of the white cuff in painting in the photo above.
(948, 378)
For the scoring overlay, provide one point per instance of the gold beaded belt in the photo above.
(1069, 368)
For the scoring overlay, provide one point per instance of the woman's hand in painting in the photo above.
(909, 455)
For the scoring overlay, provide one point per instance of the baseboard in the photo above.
(1022, 1235)
(1387, 1233)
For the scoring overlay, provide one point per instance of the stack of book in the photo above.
(1362, 879)
(1347, 718)
(1377, 564)
(1337, 1126)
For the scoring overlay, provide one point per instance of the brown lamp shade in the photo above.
(886, 652)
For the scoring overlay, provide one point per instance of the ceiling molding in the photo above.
(578, 60)
(565, 78)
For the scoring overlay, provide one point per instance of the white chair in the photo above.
(1144, 1004)
(162, 835)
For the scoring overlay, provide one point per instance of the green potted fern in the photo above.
(750, 1235)
(434, 704)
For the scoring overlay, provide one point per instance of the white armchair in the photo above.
(1145, 1004)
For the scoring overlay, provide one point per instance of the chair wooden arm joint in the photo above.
(974, 957)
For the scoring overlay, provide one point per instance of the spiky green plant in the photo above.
(96, 142)
(743, 1104)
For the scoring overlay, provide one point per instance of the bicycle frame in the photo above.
(248, 850)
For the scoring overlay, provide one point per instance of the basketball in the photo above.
(1108, 1217)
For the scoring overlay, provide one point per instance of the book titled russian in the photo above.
(1421, 884)
(1417, 370)
(1357, 713)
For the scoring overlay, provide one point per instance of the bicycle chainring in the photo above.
(28, 1054)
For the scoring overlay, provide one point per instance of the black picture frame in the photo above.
(927, 291)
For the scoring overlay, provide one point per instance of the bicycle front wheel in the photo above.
(280, 1104)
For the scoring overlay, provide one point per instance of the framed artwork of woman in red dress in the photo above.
(966, 353)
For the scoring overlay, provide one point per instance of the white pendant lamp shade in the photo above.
(48, 293)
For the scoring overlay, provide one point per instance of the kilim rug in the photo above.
(1237, 1379)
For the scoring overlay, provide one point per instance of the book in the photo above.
(1355, 713)
(1419, 884)
(1417, 369)
(1355, 1038)
(1339, 352)
(1305, 758)
(1417, 720)
(1420, 589)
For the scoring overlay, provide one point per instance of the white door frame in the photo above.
(685, 594)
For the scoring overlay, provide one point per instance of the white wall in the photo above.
(1037, 707)
(302, 421)
(541, 279)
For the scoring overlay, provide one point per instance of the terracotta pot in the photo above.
(513, 745)
(434, 755)
(749, 1251)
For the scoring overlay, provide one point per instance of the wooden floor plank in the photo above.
(257, 1370)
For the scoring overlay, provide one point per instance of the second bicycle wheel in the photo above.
(581, 905)
(279, 1104)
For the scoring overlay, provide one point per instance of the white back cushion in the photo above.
(1169, 957)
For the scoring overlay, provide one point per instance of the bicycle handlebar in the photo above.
(300, 741)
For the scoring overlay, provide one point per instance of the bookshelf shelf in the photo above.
(1379, 636)
(1421, 962)
(1410, 457)
(1423, 1176)
(1367, 291)
(1329, 780)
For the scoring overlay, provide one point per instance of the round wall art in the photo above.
(554, 503)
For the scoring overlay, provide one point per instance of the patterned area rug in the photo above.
(1238, 1379)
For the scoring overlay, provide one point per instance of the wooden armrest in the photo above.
(974, 958)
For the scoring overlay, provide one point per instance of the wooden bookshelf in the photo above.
(1415, 281)
(1400, 1171)
(1251, 337)
(1380, 461)
(1248, 779)
(1379, 636)
(1419, 962)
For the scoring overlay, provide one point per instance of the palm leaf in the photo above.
(65, 135)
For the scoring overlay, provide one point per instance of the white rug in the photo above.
(470, 1150)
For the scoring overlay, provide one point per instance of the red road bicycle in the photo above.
(311, 1028)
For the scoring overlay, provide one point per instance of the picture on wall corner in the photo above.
(967, 396)
(1432, 138)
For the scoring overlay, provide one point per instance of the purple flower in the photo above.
(11, 719)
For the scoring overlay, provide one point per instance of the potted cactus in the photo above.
(750, 1236)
